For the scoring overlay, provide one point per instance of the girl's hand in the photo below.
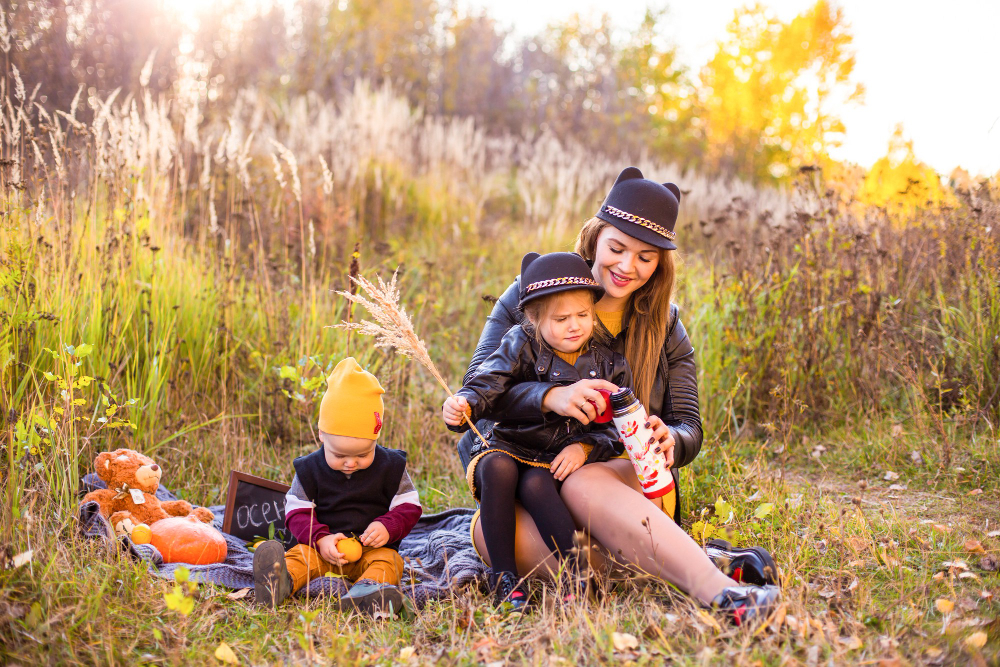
(663, 437)
(327, 548)
(568, 461)
(454, 410)
(580, 400)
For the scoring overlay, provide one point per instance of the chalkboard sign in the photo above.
(253, 504)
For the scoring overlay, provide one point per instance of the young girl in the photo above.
(526, 457)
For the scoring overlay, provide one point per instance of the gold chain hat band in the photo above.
(568, 280)
(642, 222)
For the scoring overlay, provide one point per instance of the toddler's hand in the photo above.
(454, 410)
(568, 461)
(327, 548)
(375, 535)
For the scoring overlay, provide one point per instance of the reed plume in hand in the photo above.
(392, 326)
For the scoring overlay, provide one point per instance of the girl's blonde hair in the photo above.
(646, 316)
(538, 309)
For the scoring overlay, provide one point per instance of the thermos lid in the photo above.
(622, 398)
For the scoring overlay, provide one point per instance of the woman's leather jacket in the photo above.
(674, 397)
(522, 429)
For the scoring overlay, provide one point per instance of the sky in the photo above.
(931, 66)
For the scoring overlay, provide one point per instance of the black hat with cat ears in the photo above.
(642, 208)
(542, 275)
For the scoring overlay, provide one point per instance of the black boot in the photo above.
(368, 596)
(271, 581)
(743, 604)
(509, 592)
(753, 565)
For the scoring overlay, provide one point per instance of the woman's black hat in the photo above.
(643, 209)
(542, 275)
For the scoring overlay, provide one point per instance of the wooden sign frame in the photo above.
(235, 477)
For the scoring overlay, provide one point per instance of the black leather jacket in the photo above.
(675, 391)
(529, 434)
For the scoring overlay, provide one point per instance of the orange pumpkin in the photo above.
(185, 539)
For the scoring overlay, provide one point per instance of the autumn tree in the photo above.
(901, 183)
(768, 91)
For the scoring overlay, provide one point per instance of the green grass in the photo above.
(825, 361)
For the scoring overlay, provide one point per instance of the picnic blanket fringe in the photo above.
(438, 555)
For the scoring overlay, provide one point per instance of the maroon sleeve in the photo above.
(302, 524)
(399, 521)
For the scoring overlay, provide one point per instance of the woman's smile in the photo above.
(618, 279)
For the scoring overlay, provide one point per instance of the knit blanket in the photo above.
(438, 554)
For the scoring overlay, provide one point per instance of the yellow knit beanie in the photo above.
(352, 404)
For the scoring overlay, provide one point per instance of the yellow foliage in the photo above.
(768, 88)
(901, 183)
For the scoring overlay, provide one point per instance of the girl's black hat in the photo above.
(643, 209)
(542, 275)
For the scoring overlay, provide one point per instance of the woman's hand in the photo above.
(568, 461)
(663, 437)
(454, 410)
(580, 400)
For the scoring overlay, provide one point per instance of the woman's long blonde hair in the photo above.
(646, 316)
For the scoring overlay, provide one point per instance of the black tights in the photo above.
(500, 479)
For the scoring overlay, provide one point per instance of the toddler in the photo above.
(528, 455)
(351, 486)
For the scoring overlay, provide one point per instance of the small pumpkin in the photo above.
(185, 539)
(142, 534)
(350, 549)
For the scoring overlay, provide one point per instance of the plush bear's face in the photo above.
(125, 466)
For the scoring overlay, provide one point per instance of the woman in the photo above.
(628, 243)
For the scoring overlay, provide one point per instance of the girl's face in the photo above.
(622, 264)
(568, 321)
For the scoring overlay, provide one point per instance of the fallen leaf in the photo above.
(938, 576)
(989, 563)
(933, 652)
(890, 476)
(853, 643)
(916, 457)
(23, 558)
(852, 585)
(897, 487)
(709, 620)
(986, 595)
(958, 564)
(969, 575)
(975, 492)
(624, 641)
(993, 533)
(941, 528)
(973, 546)
(406, 653)
(812, 655)
(944, 605)
(238, 595)
(976, 639)
(225, 654)
(897, 430)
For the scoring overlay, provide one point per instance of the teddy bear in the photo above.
(129, 500)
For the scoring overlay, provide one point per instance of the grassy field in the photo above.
(178, 275)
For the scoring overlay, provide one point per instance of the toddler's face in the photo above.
(569, 321)
(347, 454)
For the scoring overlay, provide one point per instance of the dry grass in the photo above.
(834, 347)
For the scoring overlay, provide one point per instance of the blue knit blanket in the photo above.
(438, 554)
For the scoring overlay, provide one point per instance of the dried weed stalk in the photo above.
(392, 327)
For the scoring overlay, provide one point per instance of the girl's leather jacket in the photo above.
(526, 432)
(675, 390)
